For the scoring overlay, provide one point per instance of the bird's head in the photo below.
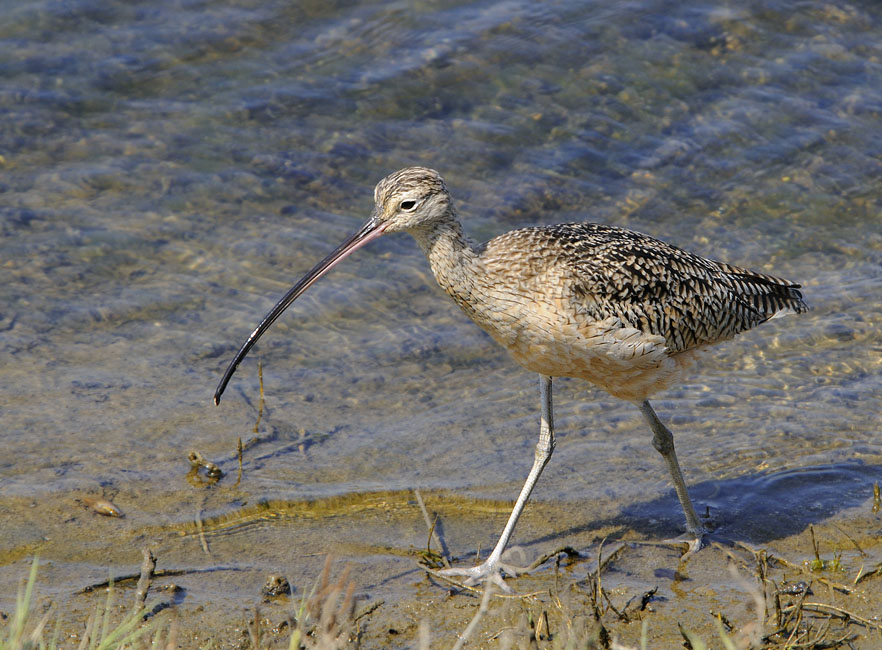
(410, 198)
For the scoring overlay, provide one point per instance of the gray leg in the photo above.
(544, 448)
(663, 441)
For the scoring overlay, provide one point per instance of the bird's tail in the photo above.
(769, 296)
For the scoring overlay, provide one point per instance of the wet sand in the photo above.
(382, 538)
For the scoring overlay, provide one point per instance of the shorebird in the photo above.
(620, 309)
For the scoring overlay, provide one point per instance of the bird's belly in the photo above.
(624, 361)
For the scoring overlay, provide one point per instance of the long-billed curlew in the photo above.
(623, 310)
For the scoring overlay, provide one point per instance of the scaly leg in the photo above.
(663, 441)
(492, 567)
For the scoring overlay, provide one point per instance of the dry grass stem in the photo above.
(433, 536)
(148, 565)
(476, 619)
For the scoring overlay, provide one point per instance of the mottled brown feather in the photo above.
(653, 286)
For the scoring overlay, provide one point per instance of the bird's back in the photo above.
(648, 284)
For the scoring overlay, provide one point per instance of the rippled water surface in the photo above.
(168, 169)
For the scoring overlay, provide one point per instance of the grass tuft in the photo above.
(24, 633)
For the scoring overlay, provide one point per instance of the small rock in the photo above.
(102, 506)
(276, 586)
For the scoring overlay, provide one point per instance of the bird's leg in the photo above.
(663, 441)
(492, 567)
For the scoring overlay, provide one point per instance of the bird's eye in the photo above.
(407, 206)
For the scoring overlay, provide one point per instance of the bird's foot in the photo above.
(491, 571)
(692, 542)
(488, 571)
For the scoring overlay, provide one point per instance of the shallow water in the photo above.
(168, 170)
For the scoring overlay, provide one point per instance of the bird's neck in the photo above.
(452, 256)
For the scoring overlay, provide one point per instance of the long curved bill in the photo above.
(368, 232)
